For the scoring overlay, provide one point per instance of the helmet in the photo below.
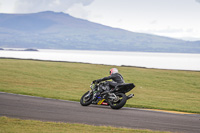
(113, 70)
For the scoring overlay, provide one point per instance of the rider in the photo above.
(115, 76)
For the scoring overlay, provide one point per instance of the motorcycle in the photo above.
(100, 94)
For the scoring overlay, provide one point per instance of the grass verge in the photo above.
(12, 125)
(155, 89)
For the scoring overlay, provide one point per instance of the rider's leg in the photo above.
(112, 85)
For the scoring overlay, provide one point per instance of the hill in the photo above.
(51, 30)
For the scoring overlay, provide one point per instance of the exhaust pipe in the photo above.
(130, 96)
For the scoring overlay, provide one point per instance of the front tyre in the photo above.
(86, 99)
(119, 102)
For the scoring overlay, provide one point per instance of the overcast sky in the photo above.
(173, 18)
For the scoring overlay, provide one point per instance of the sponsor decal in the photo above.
(100, 102)
(104, 103)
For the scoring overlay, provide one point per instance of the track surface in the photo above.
(27, 107)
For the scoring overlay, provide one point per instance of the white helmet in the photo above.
(113, 70)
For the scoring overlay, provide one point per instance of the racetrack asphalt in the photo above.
(45, 109)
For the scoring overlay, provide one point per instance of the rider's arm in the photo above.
(105, 78)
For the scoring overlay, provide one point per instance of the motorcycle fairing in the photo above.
(124, 88)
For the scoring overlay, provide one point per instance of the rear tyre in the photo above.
(119, 103)
(86, 99)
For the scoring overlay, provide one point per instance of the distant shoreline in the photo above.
(139, 59)
(16, 49)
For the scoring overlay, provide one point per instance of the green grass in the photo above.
(11, 125)
(157, 89)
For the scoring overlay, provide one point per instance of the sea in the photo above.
(172, 61)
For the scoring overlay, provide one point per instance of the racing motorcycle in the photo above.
(101, 94)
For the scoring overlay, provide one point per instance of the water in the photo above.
(174, 61)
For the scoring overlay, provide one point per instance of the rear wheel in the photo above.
(86, 99)
(118, 102)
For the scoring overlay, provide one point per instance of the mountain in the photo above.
(51, 30)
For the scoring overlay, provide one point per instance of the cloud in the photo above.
(0, 5)
(198, 1)
(166, 30)
(154, 22)
(31, 6)
(78, 10)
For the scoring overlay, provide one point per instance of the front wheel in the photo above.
(118, 102)
(86, 99)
